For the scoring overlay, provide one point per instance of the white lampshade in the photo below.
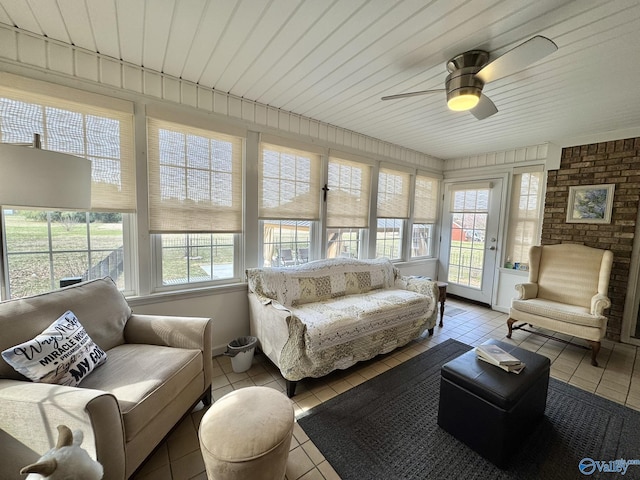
(31, 177)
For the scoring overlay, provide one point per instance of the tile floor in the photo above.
(617, 379)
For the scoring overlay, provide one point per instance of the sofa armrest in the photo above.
(598, 303)
(527, 290)
(30, 413)
(173, 331)
(419, 285)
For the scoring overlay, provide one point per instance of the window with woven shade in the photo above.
(195, 202)
(524, 213)
(394, 186)
(425, 213)
(45, 248)
(288, 203)
(195, 179)
(100, 130)
(348, 198)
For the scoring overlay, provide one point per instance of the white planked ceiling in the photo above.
(332, 60)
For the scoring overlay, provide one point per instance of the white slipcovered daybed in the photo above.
(329, 314)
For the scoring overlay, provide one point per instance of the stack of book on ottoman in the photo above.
(497, 356)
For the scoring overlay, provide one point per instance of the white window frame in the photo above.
(157, 267)
(515, 219)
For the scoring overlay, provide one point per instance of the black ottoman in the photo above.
(491, 410)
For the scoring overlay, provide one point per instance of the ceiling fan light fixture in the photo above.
(460, 102)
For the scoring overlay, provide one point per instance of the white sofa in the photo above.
(157, 368)
(329, 314)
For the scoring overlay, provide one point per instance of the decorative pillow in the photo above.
(63, 354)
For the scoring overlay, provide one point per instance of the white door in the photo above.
(469, 241)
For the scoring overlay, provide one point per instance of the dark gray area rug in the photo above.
(386, 428)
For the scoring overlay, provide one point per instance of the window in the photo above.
(425, 212)
(42, 247)
(197, 257)
(524, 215)
(389, 238)
(195, 202)
(393, 211)
(347, 207)
(286, 242)
(288, 203)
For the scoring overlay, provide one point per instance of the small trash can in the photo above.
(241, 352)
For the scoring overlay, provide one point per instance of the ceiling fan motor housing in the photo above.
(462, 78)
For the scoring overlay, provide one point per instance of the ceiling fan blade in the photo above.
(517, 58)
(412, 94)
(484, 109)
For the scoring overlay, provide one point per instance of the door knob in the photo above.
(492, 247)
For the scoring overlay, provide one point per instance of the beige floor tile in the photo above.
(159, 458)
(219, 381)
(326, 394)
(298, 463)
(313, 453)
(341, 386)
(560, 375)
(218, 393)
(200, 476)
(161, 473)
(633, 402)
(583, 384)
(615, 386)
(611, 394)
(312, 475)
(182, 445)
(589, 373)
(327, 471)
(299, 433)
(187, 467)
(308, 403)
(236, 377)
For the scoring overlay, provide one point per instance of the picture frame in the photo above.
(590, 203)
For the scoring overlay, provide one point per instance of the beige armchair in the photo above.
(157, 369)
(566, 292)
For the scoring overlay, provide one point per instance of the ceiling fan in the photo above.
(470, 71)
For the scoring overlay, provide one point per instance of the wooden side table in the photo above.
(442, 297)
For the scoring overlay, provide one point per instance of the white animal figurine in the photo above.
(67, 461)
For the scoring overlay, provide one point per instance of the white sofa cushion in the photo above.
(351, 317)
(321, 280)
(558, 311)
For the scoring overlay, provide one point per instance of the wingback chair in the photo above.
(566, 292)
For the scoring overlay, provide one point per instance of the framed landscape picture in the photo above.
(590, 203)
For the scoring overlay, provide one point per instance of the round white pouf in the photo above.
(247, 434)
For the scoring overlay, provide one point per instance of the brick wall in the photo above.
(609, 162)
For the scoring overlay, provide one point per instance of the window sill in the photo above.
(160, 297)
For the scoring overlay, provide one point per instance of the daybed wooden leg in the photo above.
(595, 348)
(431, 331)
(291, 388)
(510, 322)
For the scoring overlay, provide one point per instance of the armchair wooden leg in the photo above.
(510, 322)
(595, 348)
(207, 397)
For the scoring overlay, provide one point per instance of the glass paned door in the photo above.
(469, 211)
(470, 238)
